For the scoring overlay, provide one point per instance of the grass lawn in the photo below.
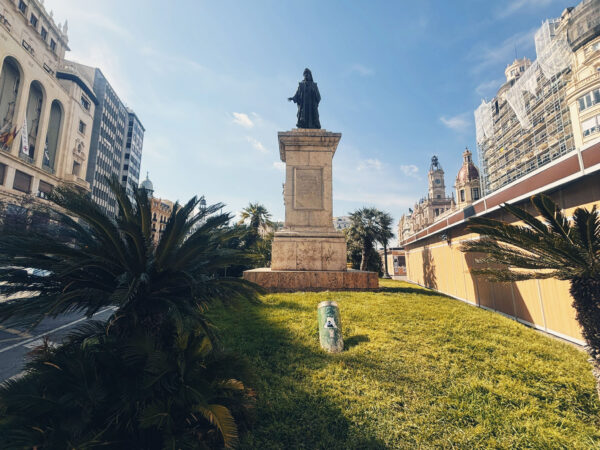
(419, 370)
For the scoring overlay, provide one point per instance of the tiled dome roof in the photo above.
(468, 172)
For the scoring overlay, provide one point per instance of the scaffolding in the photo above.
(527, 124)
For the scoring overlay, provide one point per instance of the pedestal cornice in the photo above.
(308, 139)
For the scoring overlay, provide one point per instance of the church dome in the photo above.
(147, 184)
(468, 171)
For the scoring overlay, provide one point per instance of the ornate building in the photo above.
(437, 205)
(467, 186)
(429, 208)
(46, 109)
(160, 208)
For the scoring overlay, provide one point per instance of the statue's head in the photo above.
(307, 75)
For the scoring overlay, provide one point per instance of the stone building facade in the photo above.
(46, 109)
(547, 108)
(428, 209)
(467, 185)
(437, 205)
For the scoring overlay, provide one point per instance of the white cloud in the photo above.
(242, 120)
(484, 56)
(279, 165)
(363, 71)
(460, 122)
(162, 62)
(368, 164)
(489, 88)
(384, 199)
(518, 5)
(256, 144)
(410, 170)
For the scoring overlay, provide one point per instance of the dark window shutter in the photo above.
(46, 188)
(22, 182)
(2, 173)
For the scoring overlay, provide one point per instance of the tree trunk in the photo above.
(363, 257)
(586, 301)
(385, 263)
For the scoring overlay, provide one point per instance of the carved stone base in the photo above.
(312, 280)
(309, 251)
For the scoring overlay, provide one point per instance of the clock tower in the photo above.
(437, 188)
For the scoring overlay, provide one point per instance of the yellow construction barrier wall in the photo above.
(437, 263)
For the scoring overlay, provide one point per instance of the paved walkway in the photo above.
(15, 343)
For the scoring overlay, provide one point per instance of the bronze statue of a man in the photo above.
(307, 98)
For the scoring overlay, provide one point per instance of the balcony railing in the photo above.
(48, 169)
(25, 157)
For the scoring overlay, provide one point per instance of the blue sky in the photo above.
(209, 80)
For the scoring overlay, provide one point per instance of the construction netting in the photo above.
(528, 81)
(553, 56)
(484, 122)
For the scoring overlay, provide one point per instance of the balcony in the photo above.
(48, 169)
(4, 22)
(25, 157)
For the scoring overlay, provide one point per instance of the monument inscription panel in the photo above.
(308, 188)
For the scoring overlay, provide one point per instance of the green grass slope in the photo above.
(419, 370)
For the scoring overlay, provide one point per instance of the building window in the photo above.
(85, 103)
(22, 182)
(591, 126)
(44, 34)
(33, 20)
(438, 196)
(22, 6)
(2, 173)
(462, 195)
(124, 178)
(126, 167)
(53, 45)
(82, 127)
(475, 193)
(589, 99)
(44, 189)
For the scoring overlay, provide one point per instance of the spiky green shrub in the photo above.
(153, 375)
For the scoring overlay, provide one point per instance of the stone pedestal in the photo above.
(308, 243)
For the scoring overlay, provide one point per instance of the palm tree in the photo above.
(160, 295)
(257, 215)
(554, 247)
(364, 228)
(384, 234)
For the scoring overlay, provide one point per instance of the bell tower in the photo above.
(437, 188)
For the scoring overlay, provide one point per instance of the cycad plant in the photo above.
(143, 378)
(554, 247)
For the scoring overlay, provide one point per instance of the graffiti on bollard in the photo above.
(330, 327)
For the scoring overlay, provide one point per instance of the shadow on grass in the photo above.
(290, 413)
(410, 290)
(353, 341)
(294, 306)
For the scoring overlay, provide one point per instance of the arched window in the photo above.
(10, 80)
(53, 135)
(34, 111)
